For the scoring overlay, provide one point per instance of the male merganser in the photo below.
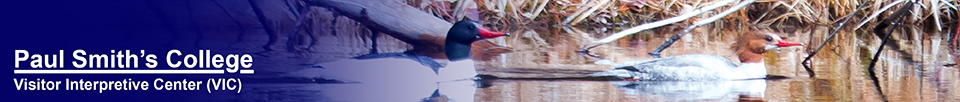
(407, 68)
(749, 48)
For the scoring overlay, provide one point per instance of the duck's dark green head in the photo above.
(462, 34)
(467, 32)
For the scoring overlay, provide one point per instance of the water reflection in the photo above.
(695, 91)
(376, 92)
(621, 91)
(452, 91)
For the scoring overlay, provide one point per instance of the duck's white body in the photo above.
(380, 70)
(692, 67)
(458, 70)
(749, 48)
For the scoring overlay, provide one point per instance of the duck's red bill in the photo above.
(785, 43)
(487, 33)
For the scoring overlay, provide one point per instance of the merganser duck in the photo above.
(407, 68)
(749, 48)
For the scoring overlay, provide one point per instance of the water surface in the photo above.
(917, 67)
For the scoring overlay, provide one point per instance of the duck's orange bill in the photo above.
(785, 43)
(487, 33)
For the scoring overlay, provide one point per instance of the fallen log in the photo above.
(391, 17)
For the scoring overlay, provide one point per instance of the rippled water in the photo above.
(916, 68)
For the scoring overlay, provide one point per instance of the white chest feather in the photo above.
(749, 71)
(457, 70)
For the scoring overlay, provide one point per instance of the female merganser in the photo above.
(749, 48)
(408, 68)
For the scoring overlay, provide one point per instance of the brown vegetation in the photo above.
(632, 12)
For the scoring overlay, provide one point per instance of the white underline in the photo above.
(126, 71)
(246, 71)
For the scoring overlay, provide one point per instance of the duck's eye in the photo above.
(769, 38)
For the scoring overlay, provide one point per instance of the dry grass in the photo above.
(939, 13)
